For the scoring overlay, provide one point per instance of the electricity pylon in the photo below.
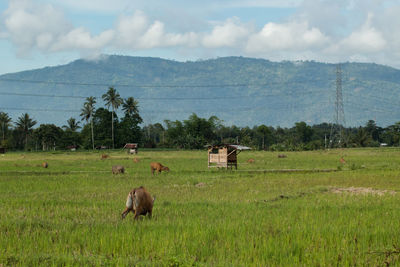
(337, 136)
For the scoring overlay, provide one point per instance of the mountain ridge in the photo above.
(239, 90)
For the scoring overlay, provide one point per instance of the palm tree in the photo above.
(130, 106)
(87, 113)
(73, 125)
(25, 124)
(5, 122)
(113, 99)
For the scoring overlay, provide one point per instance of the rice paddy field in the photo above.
(308, 209)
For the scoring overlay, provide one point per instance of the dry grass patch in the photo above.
(361, 191)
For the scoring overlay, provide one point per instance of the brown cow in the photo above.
(116, 169)
(140, 202)
(45, 165)
(156, 166)
(250, 161)
(104, 156)
(281, 156)
(136, 160)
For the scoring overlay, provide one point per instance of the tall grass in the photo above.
(69, 214)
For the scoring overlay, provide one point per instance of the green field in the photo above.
(69, 213)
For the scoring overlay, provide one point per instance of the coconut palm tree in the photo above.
(25, 124)
(113, 99)
(73, 125)
(87, 113)
(130, 106)
(5, 122)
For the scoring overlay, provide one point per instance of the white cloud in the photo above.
(117, 6)
(328, 16)
(230, 34)
(44, 40)
(45, 28)
(30, 26)
(320, 30)
(266, 3)
(130, 28)
(79, 39)
(153, 37)
(286, 37)
(364, 44)
(365, 40)
(98, 6)
(137, 32)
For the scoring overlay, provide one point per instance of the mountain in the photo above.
(238, 90)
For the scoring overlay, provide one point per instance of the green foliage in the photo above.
(196, 133)
(47, 136)
(25, 125)
(113, 99)
(128, 131)
(303, 131)
(4, 124)
(102, 125)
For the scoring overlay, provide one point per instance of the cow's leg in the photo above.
(138, 211)
(125, 212)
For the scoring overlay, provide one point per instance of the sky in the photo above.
(39, 33)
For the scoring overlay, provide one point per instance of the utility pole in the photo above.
(337, 137)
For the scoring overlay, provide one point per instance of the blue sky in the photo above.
(39, 33)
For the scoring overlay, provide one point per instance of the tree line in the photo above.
(195, 132)
(102, 128)
(99, 130)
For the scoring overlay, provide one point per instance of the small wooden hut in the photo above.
(224, 155)
(131, 148)
(72, 148)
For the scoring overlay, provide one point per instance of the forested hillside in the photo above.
(240, 91)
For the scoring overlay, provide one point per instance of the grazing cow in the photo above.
(342, 160)
(136, 160)
(116, 169)
(140, 202)
(250, 161)
(104, 156)
(156, 166)
(281, 156)
(45, 165)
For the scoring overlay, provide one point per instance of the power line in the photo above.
(383, 100)
(242, 109)
(145, 111)
(166, 98)
(376, 97)
(139, 98)
(40, 109)
(155, 85)
(40, 95)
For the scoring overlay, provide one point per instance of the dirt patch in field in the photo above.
(361, 191)
(200, 185)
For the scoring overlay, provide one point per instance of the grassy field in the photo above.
(69, 213)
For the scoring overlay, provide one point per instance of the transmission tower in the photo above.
(337, 137)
